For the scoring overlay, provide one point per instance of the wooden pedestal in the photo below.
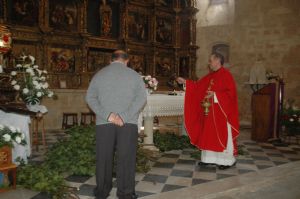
(9, 174)
(8, 170)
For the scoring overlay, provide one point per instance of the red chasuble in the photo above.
(210, 132)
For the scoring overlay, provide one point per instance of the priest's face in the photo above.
(214, 63)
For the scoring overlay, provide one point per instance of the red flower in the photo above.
(5, 38)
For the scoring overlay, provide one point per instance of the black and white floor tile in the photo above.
(177, 169)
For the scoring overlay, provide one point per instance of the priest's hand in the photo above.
(209, 94)
(180, 80)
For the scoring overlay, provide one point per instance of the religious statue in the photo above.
(257, 77)
(106, 19)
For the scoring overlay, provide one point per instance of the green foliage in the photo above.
(196, 155)
(290, 119)
(40, 178)
(241, 150)
(170, 141)
(74, 155)
(142, 161)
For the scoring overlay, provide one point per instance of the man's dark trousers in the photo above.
(110, 137)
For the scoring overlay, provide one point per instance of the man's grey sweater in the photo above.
(116, 89)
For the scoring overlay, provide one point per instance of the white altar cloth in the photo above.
(21, 121)
(159, 105)
(164, 105)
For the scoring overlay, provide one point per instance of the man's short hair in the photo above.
(219, 56)
(119, 54)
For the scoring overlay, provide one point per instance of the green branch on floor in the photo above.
(170, 141)
(73, 155)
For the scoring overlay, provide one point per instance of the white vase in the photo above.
(37, 108)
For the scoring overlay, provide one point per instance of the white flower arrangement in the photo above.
(150, 82)
(30, 81)
(10, 135)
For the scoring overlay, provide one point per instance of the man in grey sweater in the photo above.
(117, 95)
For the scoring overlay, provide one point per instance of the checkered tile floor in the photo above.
(176, 169)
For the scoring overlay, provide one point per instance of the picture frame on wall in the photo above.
(61, 60)
(164, 66)
(63, 15)
(23, 12)
(138, 26)
(98, 59)
(164, 30)
(138, 63)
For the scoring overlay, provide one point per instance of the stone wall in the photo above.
(270, 28)
(69, 100)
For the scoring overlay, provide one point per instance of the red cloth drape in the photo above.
(210, 132)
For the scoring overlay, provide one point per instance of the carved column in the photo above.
(84, 56)
(83, 16)
(4, 11)
(177, 28)
(44, 49)
(123, 21)
(44, 16)
(193, 23)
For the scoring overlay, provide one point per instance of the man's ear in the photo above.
(126, 62)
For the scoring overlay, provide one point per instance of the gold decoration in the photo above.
(206, 103)
(3, 157)
(5, 39)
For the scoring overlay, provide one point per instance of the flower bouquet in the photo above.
(150, 82)
(291, 118)
(10, 135)
(30, 81)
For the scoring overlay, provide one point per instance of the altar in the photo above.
(160, 105)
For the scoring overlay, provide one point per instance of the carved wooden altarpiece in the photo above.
(73, 39)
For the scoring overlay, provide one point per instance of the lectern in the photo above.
(266, 105)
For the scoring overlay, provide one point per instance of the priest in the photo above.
(211, 114)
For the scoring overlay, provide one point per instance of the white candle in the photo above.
(1, 69)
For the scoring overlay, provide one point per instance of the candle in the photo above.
(1, 69)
